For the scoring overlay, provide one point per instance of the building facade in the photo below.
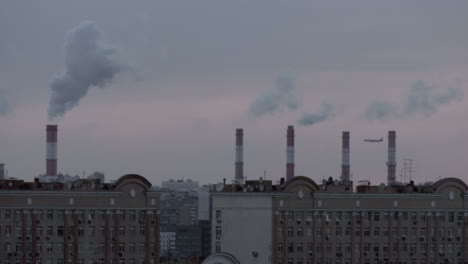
(83, 222)
(301, 222)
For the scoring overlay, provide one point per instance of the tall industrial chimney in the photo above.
(345, 157)
(391, 164)
(239, 156)
(2, 171)
(51, 160)
(290, 153)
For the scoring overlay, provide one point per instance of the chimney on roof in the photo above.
(391, 163)
(51, 159)
(290, 153)
(345, 157)
(239, 176)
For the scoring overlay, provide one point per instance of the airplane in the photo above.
(373, 140)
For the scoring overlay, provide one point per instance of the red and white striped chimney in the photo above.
(345, 157)
(239, 156)
(391, 164)
(51, 160)
(290, 153)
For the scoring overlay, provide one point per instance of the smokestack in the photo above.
(345, 157)
(2, 171)
(239, 156)
(290, 153)
(51, 160)
(391, 164)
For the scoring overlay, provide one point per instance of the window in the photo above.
(280, 247)
(142, 231)
(132, 231)
(19, 247)
(122, 231)
(218, 216)
(131, 247)
(91, 231)
(50, 215)
(218, 232)
(300, 247)
(7, 247)
(338, 231)
(376, 216)
(7, 214)
(290, 231)
(19, 231)
(60, 231)
(300, 232)
(60, 247)
(376, 232)
(7, 231)
(132, 215)
(81, 231)
(217, 247)
(366, 232)
(122, 247)
(101, 247)
(290, 247)
(142, 247)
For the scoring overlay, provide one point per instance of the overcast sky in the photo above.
(190, 72)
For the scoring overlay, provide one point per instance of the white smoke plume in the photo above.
(276, 101)
(381, 110)
(325, 113)
(422, 100)
(88, 63)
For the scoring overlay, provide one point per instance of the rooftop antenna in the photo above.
(264, 174)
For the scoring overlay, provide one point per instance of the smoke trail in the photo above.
(325, 113)
(422, 100)
(381, 110)
(88, 63)
(275, 101)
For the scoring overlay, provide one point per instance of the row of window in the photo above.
(405, 232)
(82, 231)
(368, 261)
(80, 261)
(368, 216)
(84, 247)
(368, 247)
(83, 215)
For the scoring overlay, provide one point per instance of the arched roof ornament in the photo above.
(132, 178)
(450, 182)
(300, 180)
(221, 258)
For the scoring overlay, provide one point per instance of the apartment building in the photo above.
(301, 222)
(86, 221)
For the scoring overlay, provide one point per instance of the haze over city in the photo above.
(158, 88)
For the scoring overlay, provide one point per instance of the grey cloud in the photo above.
(88, 63)
(422, 100)
(4, 104)
(276, 101)
(326, 113)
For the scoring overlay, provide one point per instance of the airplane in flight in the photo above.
(373, 140)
